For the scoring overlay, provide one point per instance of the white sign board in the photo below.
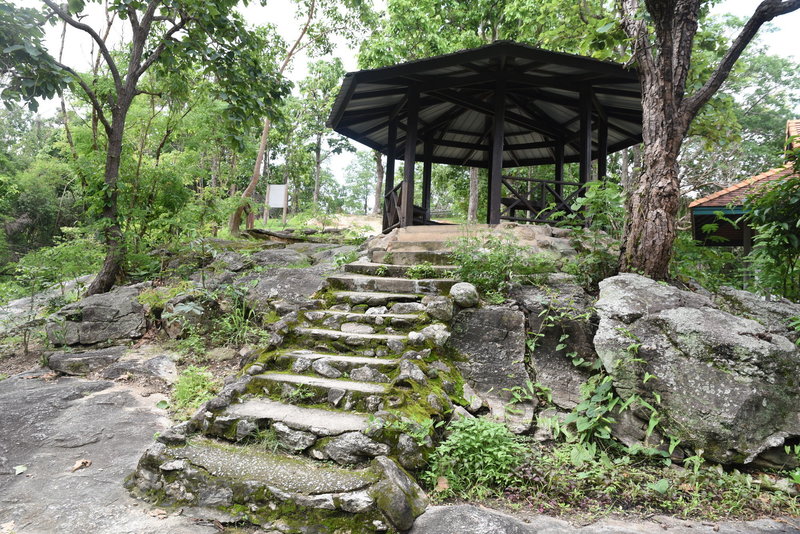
(276, 194)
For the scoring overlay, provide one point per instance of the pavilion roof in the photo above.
(457, 101)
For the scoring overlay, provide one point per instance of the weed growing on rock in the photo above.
(195, 385)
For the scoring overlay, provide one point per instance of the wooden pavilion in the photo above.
(499, 106)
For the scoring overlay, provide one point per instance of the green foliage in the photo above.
(155, 298)
(711, 267)
(774, 216)
(421, 270)
(567, 478)
(195, 385)
(493, 263)
(477, 458)
(342, 259)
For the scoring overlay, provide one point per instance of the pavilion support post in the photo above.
(559, 172)
(427, 172)
(585, 142)
(496, 164)
(412, 121)
(391, 152)
(602, 150)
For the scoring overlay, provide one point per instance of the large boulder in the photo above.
(285, 289)
(560, 320)
(721, 383)
(773, 314)
(111, 316)
(492, 343)
(83, 363)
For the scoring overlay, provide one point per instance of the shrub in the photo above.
(478, 457)
(493, 263)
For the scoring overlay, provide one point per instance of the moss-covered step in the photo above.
(336, 318)
(350, 338)
(293, 359)
(387, 269)
(361, 282)
(246, 483)
(406, 257)
(303, 389)
(374, 298)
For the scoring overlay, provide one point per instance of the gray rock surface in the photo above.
(773, 315)
(397, 495)
(354, 448)
(468, 519)
(293, 287)
(558, 316)
(19, 312)
(279, 257)
(111, 316)
(464, 294)
(492, 341)
(48, 426)
(439, 307)
(84, 362)
(727, 385)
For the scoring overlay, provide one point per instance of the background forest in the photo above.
(212, 122)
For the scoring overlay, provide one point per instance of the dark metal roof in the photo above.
(457, 101)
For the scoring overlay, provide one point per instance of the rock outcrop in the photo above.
(722, 383)
(492, 343)
(111, 316)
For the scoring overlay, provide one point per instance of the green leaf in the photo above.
(660, 487)
(162, 405)
(19, 469)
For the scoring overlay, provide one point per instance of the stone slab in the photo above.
(328, 383)
(320, 422)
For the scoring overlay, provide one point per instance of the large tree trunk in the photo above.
(472, 207)
(235, 222)
(379, 172)
(112, 233)
(662, 48)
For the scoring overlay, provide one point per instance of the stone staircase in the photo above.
(314, 430)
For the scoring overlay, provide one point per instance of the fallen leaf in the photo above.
(162, 404)
(81, 464)
(19, 469)
(442, 484)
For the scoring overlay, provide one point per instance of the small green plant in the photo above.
(381, 271)
(478, 458)
(420, 431)
(340, 260)
(493, 263)
(298, 394)
(421, 270)
(195, 385)
(794, 324)
(3, 376)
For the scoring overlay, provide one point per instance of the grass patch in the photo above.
(195, 385)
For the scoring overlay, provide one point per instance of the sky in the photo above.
(781, 40)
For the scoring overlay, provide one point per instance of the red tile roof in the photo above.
(735, 194)
(793, 130)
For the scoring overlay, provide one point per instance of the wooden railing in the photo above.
(544, 204)
(391, 208)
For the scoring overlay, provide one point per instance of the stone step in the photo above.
(350, 338)
(374, 298)
(339, 393)
(262, 413)
(336, 318)
(442, 229)
(213, 480)
(360, 282)
(411, 258)
(387, 269)
(419, 246)
(342, 363)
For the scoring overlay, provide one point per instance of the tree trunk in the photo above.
(236, 218)
(317, 167)
(112, 233)
(472, 208)
(379, 173)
